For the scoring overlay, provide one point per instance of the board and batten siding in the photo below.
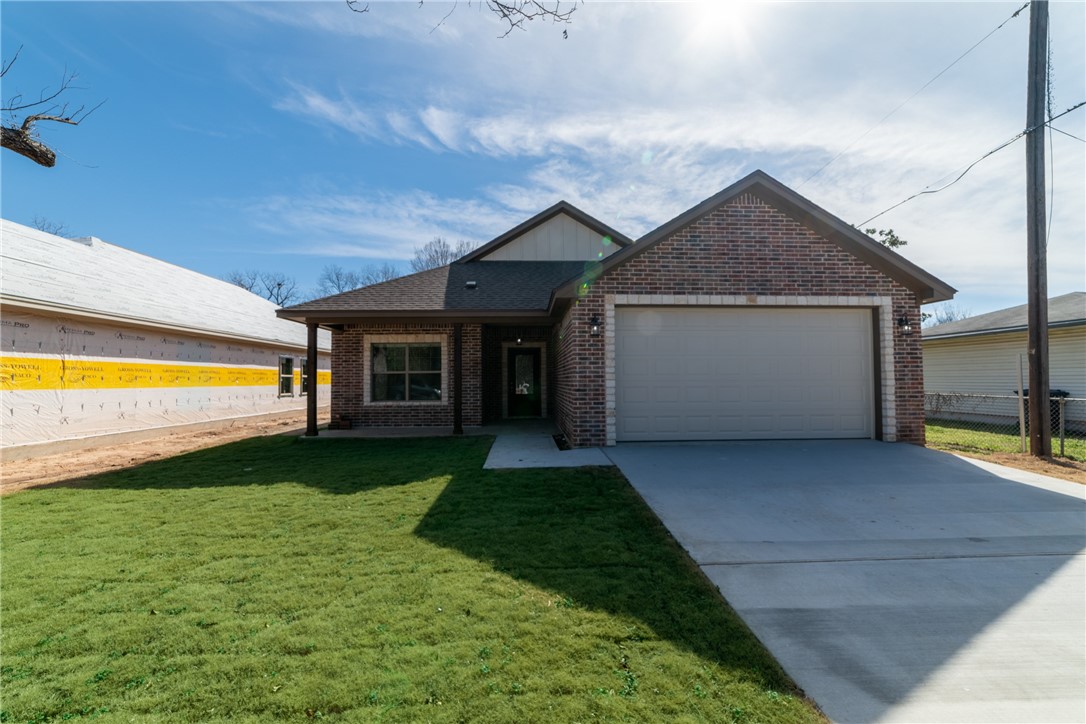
(558, 239)
(988, 364)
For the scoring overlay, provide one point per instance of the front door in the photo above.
(524, 387)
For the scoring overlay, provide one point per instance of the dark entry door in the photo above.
(524, 388)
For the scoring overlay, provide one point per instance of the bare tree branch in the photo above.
(279, 288)
(514, 13)
(375, 275)
(334, 279)
(22, 137)
(50, 227)
(438, 252)
(7, 66)
(248, 280)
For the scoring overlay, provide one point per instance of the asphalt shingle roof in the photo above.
(499, 285)
(1064, 310)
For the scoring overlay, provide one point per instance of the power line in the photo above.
(1069, 135)
(968, 168)
(914, 95)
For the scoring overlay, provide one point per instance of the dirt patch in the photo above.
(1053, 467)
(21, 474)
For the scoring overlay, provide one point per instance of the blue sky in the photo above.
(286, 136)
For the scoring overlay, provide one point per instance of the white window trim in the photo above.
(506, 346)
(382, 339)
(280, 376)
(884, 305)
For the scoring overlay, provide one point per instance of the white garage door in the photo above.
(699, 373)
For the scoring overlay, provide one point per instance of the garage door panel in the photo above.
(728, 373)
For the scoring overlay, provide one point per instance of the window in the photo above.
(406, 372)
(305, 375)
(286, 376)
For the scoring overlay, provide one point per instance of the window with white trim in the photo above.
(286, 376)
(405, 372)
(305, 375)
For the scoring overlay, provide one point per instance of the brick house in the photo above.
(753, 315)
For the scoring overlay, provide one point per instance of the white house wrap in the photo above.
(96, 339)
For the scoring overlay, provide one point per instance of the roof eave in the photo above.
(357, 316)
(928, 287)
(1002, 330)
(37, 306)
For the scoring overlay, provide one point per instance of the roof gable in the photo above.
(826, 225)
(561, 233)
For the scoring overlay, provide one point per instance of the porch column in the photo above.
(311, 381)
(458, 379)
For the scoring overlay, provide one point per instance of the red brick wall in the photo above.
(349, 379)
(744, 247)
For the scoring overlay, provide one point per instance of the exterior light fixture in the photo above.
(519, 341)
(906, 328)
(594, 325)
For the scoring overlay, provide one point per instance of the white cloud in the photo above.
(649, 108)
(375, 224)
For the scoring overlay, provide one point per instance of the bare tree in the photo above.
(50, 227)
(274, 286)
(513, 13)
(944, 313)
(249, 280)
(279, 288)
(21, 136)
(377, 274)
(334, 279)
(439, 253)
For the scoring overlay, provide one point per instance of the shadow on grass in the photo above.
(583, 534)
(331, 466)
(587, 536)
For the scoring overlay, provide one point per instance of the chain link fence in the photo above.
(996, 423)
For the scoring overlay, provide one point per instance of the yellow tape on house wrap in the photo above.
(36, 373)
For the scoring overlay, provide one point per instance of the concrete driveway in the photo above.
(893, 583)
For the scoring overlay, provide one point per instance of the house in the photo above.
(980, 356)
(98, 342)
(753, 315)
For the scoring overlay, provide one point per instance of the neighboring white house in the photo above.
(980, 355)
(97, 340)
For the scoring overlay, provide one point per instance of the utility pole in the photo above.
(1040, 426)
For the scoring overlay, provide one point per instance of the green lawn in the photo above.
(364, 580)
(952, 435)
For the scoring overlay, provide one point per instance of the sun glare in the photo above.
(721, 24)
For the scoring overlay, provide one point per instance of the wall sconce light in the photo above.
(594, 325)
(519, 341)
(906, 328)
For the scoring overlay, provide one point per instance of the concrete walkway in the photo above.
(893, 583)
(535, 450)
(517, 443)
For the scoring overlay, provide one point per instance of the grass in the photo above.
(364, 580)
(952, 435)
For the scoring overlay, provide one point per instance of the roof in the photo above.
(512, 288)
(91, 278)
(776, 194)
(1067, 310)
(562, 207)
